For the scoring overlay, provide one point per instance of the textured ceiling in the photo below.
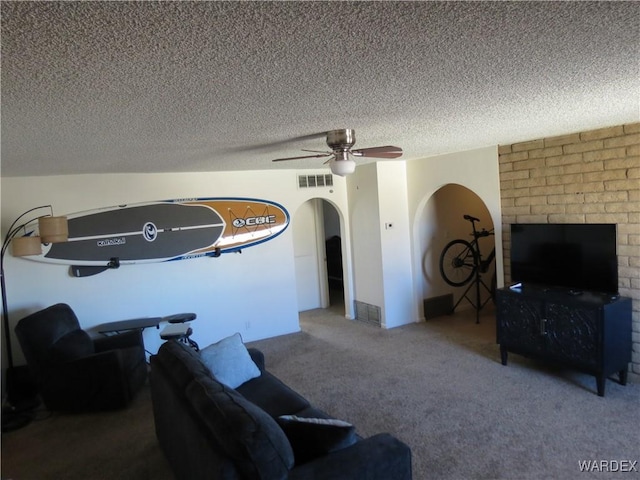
(93, 87)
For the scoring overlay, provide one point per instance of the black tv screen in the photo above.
(579, 257)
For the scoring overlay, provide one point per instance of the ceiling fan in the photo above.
(340, 161)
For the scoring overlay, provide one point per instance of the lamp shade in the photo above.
(23, 246)
(342, 167)
(53, 229)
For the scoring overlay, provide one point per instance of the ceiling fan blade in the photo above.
(332, 157)
(299, 158)
(387, 151)
(277, 143)
(316, 151)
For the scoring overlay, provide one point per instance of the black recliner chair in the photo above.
(75, 373)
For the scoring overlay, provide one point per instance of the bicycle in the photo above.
(461, 261)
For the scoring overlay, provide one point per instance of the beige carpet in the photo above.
(439, 386)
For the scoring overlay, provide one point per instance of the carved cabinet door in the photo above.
(573, 334)
(519, 323)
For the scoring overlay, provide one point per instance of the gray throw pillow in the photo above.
(229, 361)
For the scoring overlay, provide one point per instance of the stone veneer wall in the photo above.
(586, 177)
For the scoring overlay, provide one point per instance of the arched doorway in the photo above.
(442, 220)
(317, 247)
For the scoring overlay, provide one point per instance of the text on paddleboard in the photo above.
(107, 242)
(254, 221)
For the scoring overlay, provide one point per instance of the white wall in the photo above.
(382, 241)
(388, 263)
(365, 232)
(476, 170)
(395, 235)
(253, 293)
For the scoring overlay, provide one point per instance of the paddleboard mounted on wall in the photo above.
(163, 231)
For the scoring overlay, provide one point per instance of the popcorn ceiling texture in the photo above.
(93, 87)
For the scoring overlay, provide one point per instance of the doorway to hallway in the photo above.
(318, 256)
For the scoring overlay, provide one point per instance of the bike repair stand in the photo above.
(478, 304)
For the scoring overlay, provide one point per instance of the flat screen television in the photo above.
(578, 257)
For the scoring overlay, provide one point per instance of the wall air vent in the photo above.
(313, 181)
(368, 313)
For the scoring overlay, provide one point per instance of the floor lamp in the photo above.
(51, 229)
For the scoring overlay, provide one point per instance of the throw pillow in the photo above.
(229, 361)
(72, 346)
(313, 437)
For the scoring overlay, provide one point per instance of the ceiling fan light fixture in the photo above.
(342, 167)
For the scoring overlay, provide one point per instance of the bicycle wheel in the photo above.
(458, 263)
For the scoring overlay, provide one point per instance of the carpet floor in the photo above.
(439, 386)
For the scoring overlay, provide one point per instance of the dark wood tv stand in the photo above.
(586, 331)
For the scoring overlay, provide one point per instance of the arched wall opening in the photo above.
(321, 268)
(438, 222)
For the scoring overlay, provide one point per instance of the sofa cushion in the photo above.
(229, 361)
(181, 363)
(247, 434)
(313, 437)
(72, 346)
(274, 397)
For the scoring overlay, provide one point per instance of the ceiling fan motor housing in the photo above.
(341, 139)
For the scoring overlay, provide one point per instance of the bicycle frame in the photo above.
(482, 264)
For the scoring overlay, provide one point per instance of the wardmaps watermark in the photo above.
(623, 466)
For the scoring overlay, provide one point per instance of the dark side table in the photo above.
(114, 328)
